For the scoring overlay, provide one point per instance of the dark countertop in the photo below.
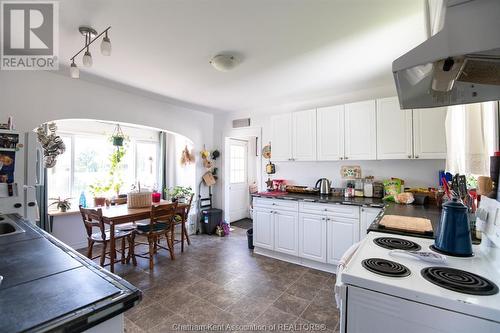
(48, 286)
(430, 212)
(369, 202)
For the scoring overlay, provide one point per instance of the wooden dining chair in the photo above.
(92, 218)
(181, 219)
(161, 224)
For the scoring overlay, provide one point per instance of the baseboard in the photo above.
(296, 260)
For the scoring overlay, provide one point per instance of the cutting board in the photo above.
(406, 223)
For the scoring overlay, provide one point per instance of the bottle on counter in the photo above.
(368, 187)
(349, 190)
(83, 200)
(359, 188)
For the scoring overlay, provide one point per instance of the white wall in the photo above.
(35, 97)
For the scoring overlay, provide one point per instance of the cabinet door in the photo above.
(286, 232)
(312, 237)
(281, 137)
(429, 134)
(304, 136)
(263, 228)
(330, 138)
(367, 216)
(394, 130)
(360, 131)
(341, 234)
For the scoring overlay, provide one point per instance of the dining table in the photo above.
(121, 214)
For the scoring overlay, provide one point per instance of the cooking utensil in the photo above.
(453, 236)
(323, 185)
(431, 257)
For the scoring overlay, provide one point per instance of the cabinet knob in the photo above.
(409, 156)
(341, 158)
(18, 205)
(346, 158)
(416, 156)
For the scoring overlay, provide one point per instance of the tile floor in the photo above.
(218, 281)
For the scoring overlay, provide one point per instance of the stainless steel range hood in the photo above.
(458, 65)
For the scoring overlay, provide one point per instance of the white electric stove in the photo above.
(389, 293)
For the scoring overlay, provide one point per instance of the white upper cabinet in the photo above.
(429, 133)
(330, 124)
(281, 141)
(304, 135)
(394, 130)
(360, 131)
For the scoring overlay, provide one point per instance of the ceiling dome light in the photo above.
(106, 46)
(74, 71)
(87, 59)
(223, 62)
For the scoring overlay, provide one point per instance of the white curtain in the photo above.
(471, 137)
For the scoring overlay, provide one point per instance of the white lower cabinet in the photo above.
(286, 232)
(263, 228)
(312, 237)
(313, 234)
(341, 234)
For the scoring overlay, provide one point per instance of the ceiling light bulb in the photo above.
(223, 62)
(74, 71)
(87, 59)
(106, 46)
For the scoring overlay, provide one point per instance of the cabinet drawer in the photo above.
(337, 210)
(276, 204)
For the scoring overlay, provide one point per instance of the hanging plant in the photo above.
(118, 137)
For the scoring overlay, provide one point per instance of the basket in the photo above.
(301, 189)
(139, 199)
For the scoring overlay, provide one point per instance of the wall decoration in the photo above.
(187, 157)
(52, 144)
(266, 151)
(205, 154)
(7, 166)
(350, 172)
(9, 140)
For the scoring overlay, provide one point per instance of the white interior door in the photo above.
(238, 180)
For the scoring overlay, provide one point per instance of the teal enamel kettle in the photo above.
(453, 235)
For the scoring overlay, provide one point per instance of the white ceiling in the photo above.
(292, 51)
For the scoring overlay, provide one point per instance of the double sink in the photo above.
(9, 227)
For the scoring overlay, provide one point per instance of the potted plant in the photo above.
(62, 205)
(179, 193)
(118, 137)
(99, 191)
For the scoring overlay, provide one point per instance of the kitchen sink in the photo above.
(9, 228)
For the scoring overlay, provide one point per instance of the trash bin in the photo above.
(210, 219)
(250, 238)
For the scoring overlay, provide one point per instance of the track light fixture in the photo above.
(74, 71)
(91, 36)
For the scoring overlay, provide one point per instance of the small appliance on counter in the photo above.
(323, 185)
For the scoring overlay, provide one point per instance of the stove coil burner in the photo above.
(435, 249)
(385, 267)
(459, 281)
(393, 243)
